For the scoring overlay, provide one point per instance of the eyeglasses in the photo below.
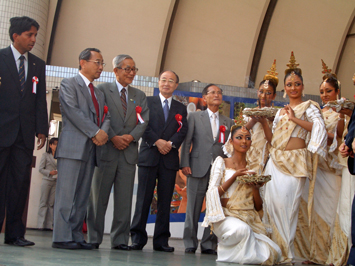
(170, 81)
(128, 69)
(98, 63)
(215, 92)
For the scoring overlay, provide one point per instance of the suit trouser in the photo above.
(46, 204)
(196, 192)
(147, 177)
(351, 259)
(15, 172)
(119, 173)
(71, 198)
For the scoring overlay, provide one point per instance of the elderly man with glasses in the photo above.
(129, 118)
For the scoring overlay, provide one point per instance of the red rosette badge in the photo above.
(222, 137)
(35, 81)
(105, 112)
(138, 112)
(178, 118)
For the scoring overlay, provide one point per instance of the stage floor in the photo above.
(43, 254)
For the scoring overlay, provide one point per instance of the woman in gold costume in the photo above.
(231, 207)
(259, 150)
(299, 136)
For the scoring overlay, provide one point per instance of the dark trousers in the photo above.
(15, 172)
(147, 177)
(351, 259)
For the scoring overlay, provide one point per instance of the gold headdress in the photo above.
(227, 148)
(271, 75)
(328, 73)
(292, 66)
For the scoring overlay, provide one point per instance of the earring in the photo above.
(303, 93)
(285, 94)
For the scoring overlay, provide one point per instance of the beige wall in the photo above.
(314, 30)
(137, 28)
(210, 40)
(214, 41)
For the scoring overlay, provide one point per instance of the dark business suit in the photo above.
(348, 142)
(153, 165)
(22, 116)
(77, 156)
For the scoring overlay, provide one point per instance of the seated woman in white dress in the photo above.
(231, 208)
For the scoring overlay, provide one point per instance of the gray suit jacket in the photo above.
(48, 164)
(120, 125)
(204, 148)
(78, 116)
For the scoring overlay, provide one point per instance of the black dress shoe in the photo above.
(95, 245)
(209, 252)
(164, 249)
(20, 242)
(190, 250)
(136, 246)
(66, 245)
(122, 247)
(84, 245)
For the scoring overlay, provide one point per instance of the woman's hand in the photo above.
(53, 172)
(289, 111)
(346, 111)
(240, 172)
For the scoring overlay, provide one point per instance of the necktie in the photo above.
(124, 102)
(214, 126)
(21, 72)
(96, 104)
(166, 109)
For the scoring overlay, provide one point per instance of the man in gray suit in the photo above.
(85, 127)
(204, 136)
(129, 118)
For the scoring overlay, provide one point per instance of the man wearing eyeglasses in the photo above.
(203, 135)
(159, 161)
(85, 128)
(129, 118)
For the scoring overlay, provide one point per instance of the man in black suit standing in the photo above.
(23, 114)
(159, 160)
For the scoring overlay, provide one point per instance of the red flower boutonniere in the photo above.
(35, 81)
(105, 112)
(222, 137)
(178, 118)
(138, 112)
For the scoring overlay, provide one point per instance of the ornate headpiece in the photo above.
(239, 122)
(292, 66)
(271, 75)
(328, 73)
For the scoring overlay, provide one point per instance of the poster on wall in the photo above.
(230, 107)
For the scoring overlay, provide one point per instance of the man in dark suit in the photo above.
(23, 114)
(129, 119)
(159, 160)
(203, 135)
(85, 127)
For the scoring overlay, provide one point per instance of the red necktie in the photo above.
(96, 104)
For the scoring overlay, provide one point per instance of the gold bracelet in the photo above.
(222, 189)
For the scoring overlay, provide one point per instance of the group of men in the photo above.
(98, 148)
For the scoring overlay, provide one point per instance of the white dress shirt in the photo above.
(17, 55)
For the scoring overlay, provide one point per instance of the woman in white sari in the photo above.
(259, 150)
(299, 135)
(231, 208)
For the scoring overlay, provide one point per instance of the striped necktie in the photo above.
(124, 101)
(21, 72)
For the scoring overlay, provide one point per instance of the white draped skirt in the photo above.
(281, 201)
(239, 244)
